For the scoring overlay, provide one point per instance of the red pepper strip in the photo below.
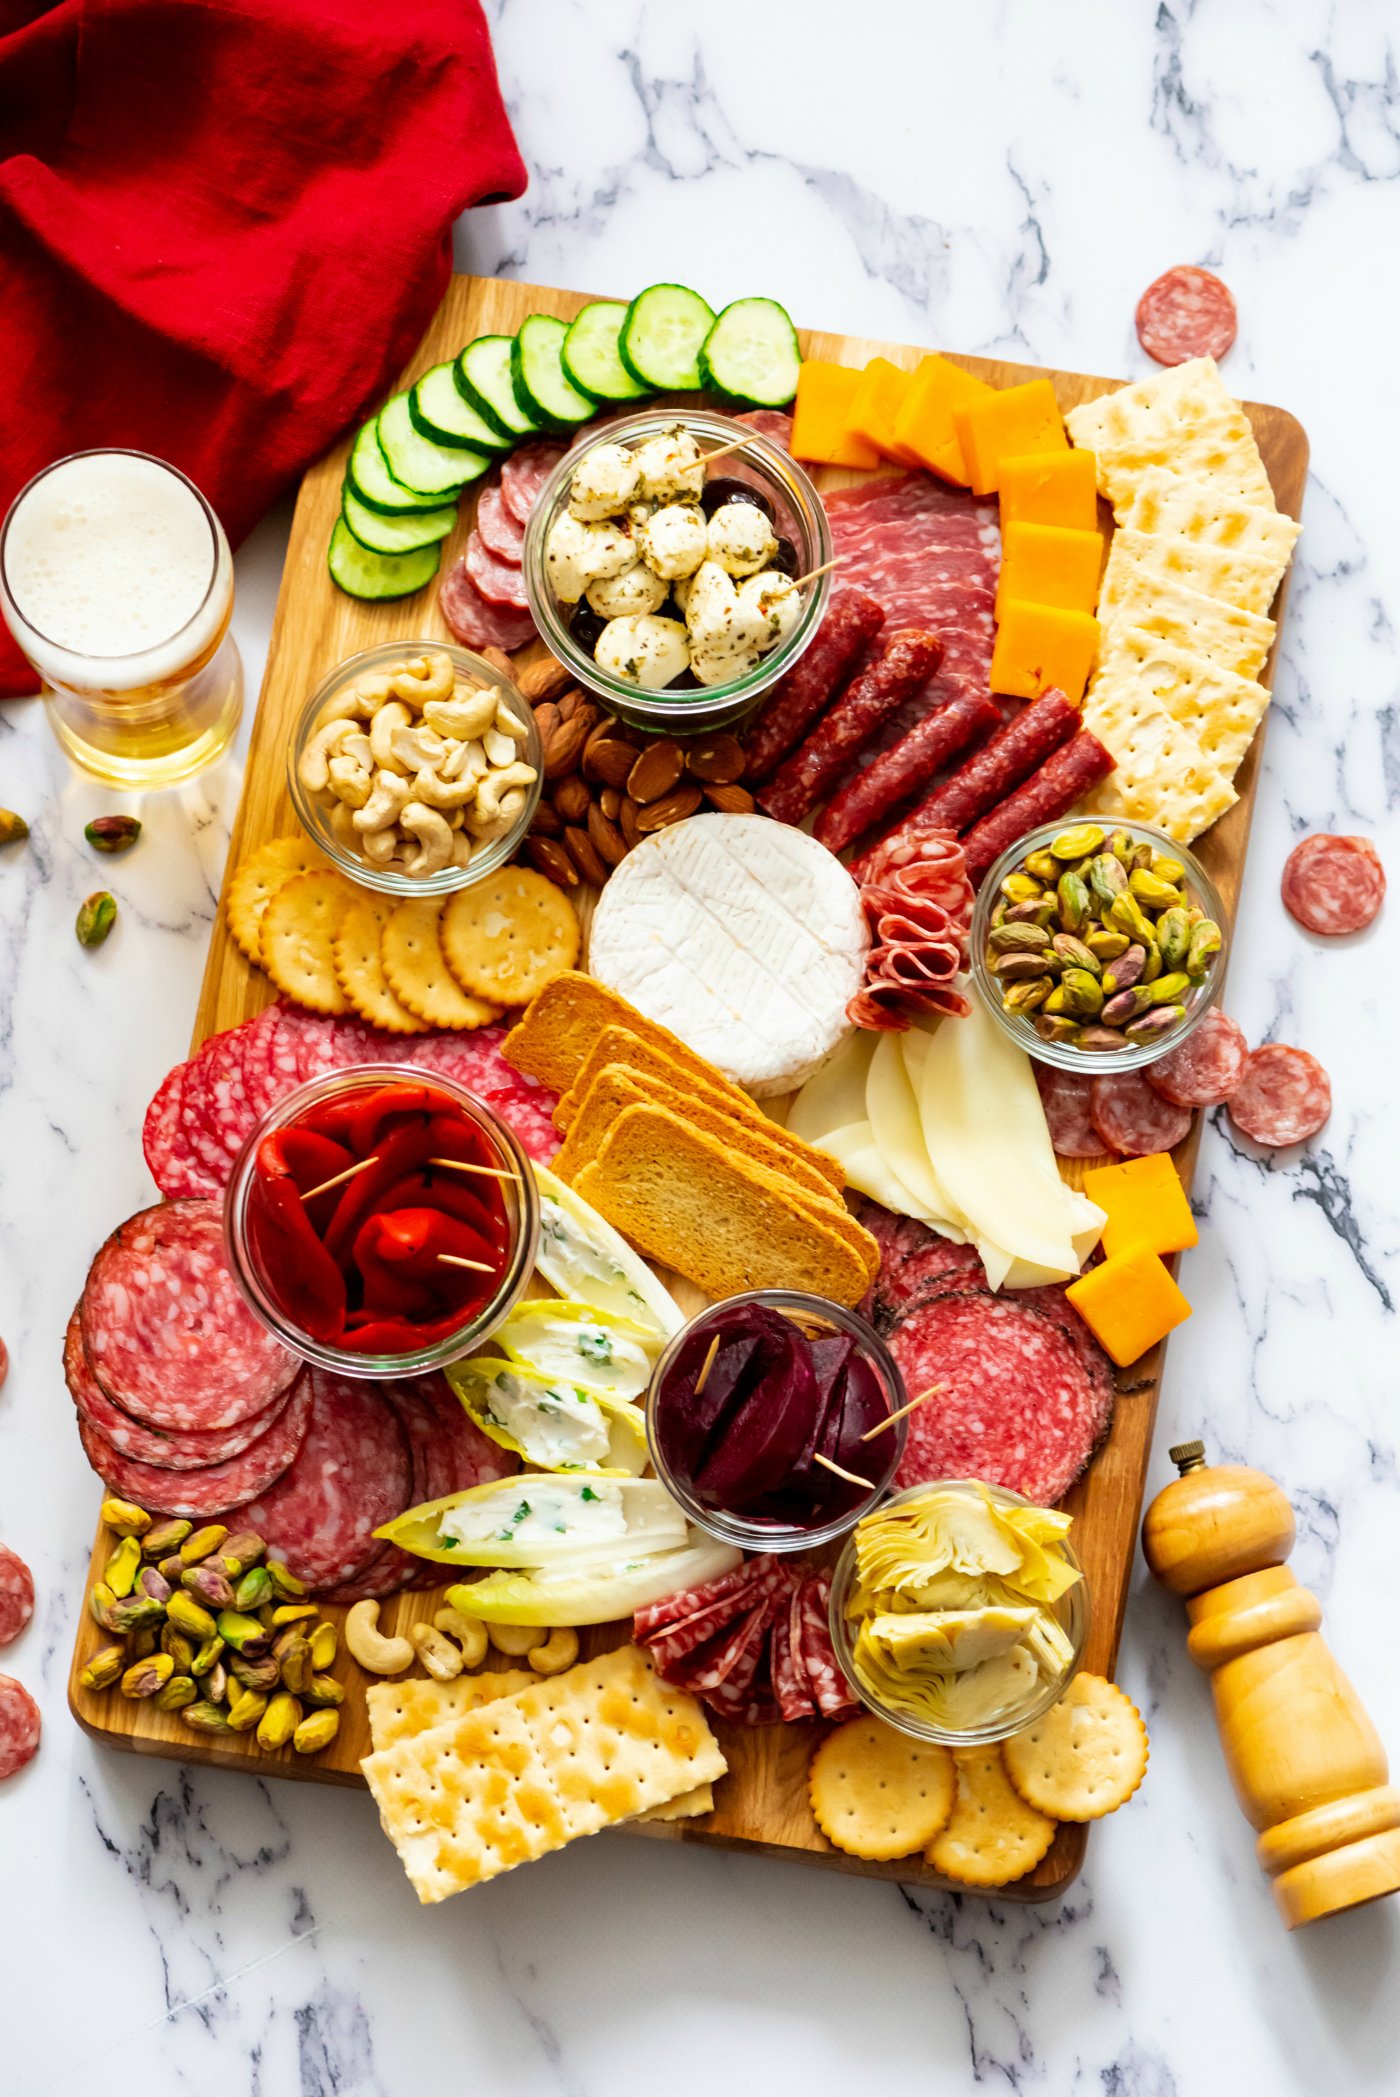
(308, 1158)
(451, 1192)
(365, 1334)
(302, 1278)
(355, 1117)
(413, 1242)
(456, 1138)
(402, 1150)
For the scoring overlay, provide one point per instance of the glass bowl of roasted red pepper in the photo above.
(773, 1419)
(380, 1222)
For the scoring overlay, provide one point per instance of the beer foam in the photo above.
(110, 567)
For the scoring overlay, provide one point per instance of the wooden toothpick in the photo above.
(341, 1177)
(487, 1172)
(722, 451)
(812, 573)
(454, 1259)
(839, 1471)
(706, 1366)
(903, 1413)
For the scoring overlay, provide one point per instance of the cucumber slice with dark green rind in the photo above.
(591, 361)
(542, 386)
(378, 577)
(751, 354)
(402, 534)
(425, 467)
(483, 378)
(661, 337)
(367, 471)
(441, 412)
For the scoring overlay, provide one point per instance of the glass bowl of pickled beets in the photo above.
(381, 1221)
(760, 1405)
(1096, 945)
(761, 473)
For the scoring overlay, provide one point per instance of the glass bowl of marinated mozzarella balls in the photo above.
(676, 589)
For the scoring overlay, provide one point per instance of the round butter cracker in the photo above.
(992, 1836)
(359, 968)
(256, 881)
(416, 970)
(509, 934)
(876, 1793)
(1082, 1758)
(297, 940)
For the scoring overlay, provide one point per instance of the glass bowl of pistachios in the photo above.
(416, 767)
(1096, 946)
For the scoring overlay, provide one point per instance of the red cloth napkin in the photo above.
(224, 225)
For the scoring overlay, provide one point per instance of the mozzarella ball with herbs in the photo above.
(673, 540)
(740, 538)
(671, 466)
(605, 481)
(637, 590)
(722, 665)
(647, 651)
(773, 603)
(577, 554)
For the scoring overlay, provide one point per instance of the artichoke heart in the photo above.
(948, 1640)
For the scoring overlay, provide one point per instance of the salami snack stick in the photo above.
(852, 621)
(905, 663)
(902, 769)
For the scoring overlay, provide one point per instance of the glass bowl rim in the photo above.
(1063, 1055)
(1077, 1604)
(768, 1539)
(342, 1361)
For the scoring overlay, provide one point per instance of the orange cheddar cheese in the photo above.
(1039, 645)
(879, 397)
(1049, 487)
(825, 393)
(925, 424)
(1145, 1204)
(1050, 564)
(1016, 420)
(1129, 1304)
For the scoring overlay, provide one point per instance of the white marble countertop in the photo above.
(1002, 179)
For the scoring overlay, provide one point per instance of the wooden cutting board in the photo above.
(762, 1804)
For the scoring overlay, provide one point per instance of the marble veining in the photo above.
(999, 180)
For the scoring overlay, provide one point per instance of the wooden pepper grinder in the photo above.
(1307, 1765)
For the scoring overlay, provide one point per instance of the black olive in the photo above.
(585, 625)
(785, 560)
(671, 610)
(686, 682)
(721, 490)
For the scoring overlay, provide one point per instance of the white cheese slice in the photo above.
(744, 936)
(867, 1170)
(835, 1097)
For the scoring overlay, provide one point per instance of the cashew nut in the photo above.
(380, 846)
(365, 1641)
(371, 690)
(463, 761)
(469, 1632)
(439, 1656)
(393, 714)
(351, 780)
(435, 791)
(343, 826)
(560, 1650)
(433, 834)
(463, 845)
(466, 715)
(488, 794)
(386, 803)
(425, 678)
(415, 748)
(499, 748)
(508, 722)
(313, 766)
(515, 1639)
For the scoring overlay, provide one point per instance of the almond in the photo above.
(572, 799)
(545, 679)
(585, 856)
(564, 746)
(627, 816)
(608, 839)
(545, 823)
(670, 808)
(717, 759)
(607, 761)
(551, 860)
(660, 767)
(730, 800)
(570, 703)
(499, 660)
(610, 801)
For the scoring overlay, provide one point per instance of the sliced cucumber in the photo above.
(402, 534)
(542, 386)
(443, 414)
(425, 467)
(378, 576)
(661, 337)
(590, 354)
(368, 474)
(483, 376)
(751, 354)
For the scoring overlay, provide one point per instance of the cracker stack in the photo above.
(1195, 562)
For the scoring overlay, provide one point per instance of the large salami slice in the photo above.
(168, 1158)
(271, 1062)
(351, 1474)
(474, 1060)
(1016, 1407)
(1186, 313)
(215, 1115)
(1284, 1097)
(523, 475)
(501, 533)
(475, 622)
(1066, 1100)
(853, 618)
(1333, 885)
(214, 1488)
(20, 1726)
(1207, 1067)
(16, 1595)
(1132, 1119)
(167, 1332)
(168, 1452)
(500, 582)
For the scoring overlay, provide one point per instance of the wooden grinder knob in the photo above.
(1307, 1765)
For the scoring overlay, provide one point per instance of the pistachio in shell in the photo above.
(112, 833)
(95, 918)
(13, 828)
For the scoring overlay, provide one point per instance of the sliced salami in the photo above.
(16, 1595)
(853, 618)
(937, 1269)
(168, 1159)
(687, 1602)
(475, 1061)
(792, 1685)
(351, 1474)
(473, 621)
(501, 533)
(500, 582)
(1207, 1067)
(271, 1064)
(1016, 1405)
(215, 1488)
(1333, 885)
(215, 1116)
(1066, 1100)
(523, 475)
(166, 1330)
(830, 1689)
(770, 423)
(1132, 1119)
(1186, 313)
(1284, 1097)
(133, 1438)
(20, 1726)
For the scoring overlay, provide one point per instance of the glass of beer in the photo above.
(117, 582)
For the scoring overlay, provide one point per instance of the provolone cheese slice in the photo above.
(834, 1096)
(867, 1170)
(893, 1112)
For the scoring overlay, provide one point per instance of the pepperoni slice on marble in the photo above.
(16, 1595)
(1207, 1067)
(1333, 885)
(1134, 1120)
(20, 1726)
(1284, 1097)
(1186, 313)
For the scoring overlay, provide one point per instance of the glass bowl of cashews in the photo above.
(416, 767)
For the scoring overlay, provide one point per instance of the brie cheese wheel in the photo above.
(744, 937)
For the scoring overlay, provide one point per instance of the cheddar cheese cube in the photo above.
(1011, 422)
(1039, 645)
(1145, 1204)
(1129, 1303)
(825, 395)
(1050, 564)
(925, 423)
(879, 397)
(1050, 487)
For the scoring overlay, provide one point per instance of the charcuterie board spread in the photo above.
(730, 812)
